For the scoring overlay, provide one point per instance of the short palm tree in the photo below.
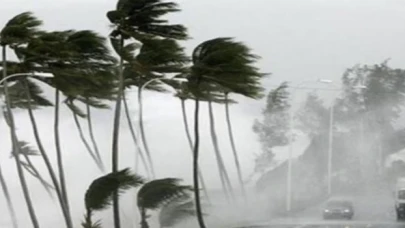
(227, 64)
(100, 192)
(18, 31)
(136, 20)
(155, 194)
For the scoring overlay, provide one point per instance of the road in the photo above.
(372, 210)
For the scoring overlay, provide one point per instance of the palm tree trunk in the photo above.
(116, 133)
(199, 212)
(59, 153)
(134, 138)
(190, 142)
(142, 132)
(16, 148)
(86, 144)
(10, 206)
(44, 155)
(226, 184)
(144, 223)
(235, 153)
(92, 138)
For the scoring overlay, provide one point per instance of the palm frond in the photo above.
(229, 64)
(143, 19)
(25, 149)
(157, 193)
(99, 194)
(20, 29)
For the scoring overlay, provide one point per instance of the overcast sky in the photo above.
(298, 40)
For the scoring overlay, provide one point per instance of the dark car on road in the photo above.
(338, 208)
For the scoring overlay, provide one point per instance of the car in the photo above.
(338, 208)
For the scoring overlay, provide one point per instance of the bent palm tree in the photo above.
(100, 193)
(136, 20)
(18, 30)
(224, 63)
(157, 193)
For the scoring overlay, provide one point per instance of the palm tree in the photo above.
(27, 95)
(18, 30)
(227, 64)
(100, 192)
(157, 193)
(137, 20)
(73, 57)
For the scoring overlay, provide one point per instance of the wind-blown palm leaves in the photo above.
(225, 63)
(157, 193)
(100, 192)
(18, 31)
(138, 20)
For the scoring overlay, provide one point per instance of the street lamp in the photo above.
(38, 74)
(140, 118)
(331, 123)
(290, 151)
(330, 137)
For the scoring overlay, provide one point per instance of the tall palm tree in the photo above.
(27, 95)
(18, 30)
(225, 63)
(100, 192)
(136, 20)
(73, 57)
(157, 193)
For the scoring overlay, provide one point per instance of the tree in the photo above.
(137, 20)
(73, 57)
(273, 129)
(99, 195)
(221, 62)
(371, 102)
(313, 117)
(19, 30)
(158, 193)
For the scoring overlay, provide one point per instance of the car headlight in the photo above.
(326, 210)
(346, 211)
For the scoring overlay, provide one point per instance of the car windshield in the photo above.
(339, 204)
